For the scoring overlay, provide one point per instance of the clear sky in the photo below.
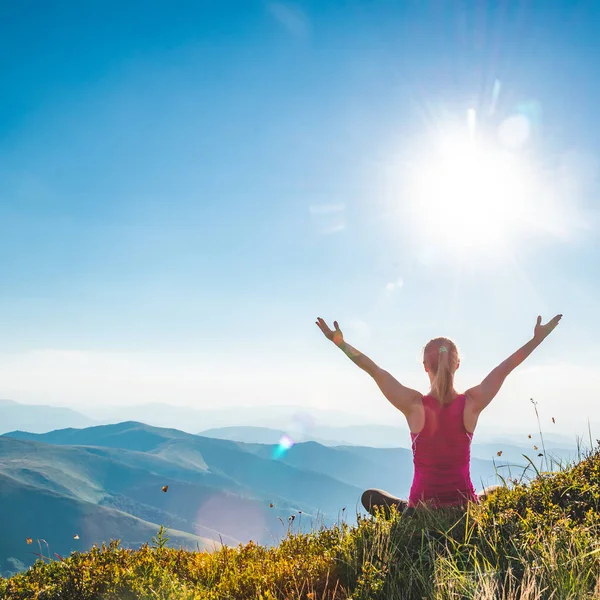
(185, 187)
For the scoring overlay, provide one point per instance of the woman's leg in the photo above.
(378, 498)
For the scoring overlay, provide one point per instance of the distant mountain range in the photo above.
(192, 419)
(382, 436)
(260, 424)
(39, 418)
(107, 482)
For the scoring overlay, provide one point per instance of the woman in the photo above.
(441, 422)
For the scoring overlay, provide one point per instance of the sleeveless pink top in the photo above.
(441, 456)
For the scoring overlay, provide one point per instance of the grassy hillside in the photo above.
(536, 539)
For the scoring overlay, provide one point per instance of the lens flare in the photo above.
(298, 430)
(285, 443)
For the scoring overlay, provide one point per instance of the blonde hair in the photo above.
(441, 357)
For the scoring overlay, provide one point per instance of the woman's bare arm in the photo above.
(402, 397)
(481, 395)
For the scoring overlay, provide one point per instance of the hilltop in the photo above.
(533, 539)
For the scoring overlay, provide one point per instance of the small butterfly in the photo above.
(529, 436)
(270, 505)
(165, 488)
(499, 453)
(535, 447)
(75, 537)
(553, 420)
(29, 541)
(540, 454)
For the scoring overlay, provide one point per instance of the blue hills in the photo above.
(106, 482)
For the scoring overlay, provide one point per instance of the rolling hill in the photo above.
(217, 489)
(63, 523)
(236, 466)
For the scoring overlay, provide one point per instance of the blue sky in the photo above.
(184, 188)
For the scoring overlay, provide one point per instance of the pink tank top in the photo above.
(441, 456)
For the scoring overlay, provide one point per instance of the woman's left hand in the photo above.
(542, 331)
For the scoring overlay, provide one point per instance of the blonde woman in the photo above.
(441, 422)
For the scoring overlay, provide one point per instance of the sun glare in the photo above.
(470, 194)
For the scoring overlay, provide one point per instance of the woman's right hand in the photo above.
(335, 335)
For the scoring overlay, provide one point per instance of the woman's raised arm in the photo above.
(402, 397)
(481, 395)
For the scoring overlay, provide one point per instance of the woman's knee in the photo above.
(372, 498)
(367, 499)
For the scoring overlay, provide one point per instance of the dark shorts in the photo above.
(375, 500)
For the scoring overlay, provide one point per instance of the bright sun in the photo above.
(471, 194)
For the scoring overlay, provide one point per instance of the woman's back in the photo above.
(441, 456)
(442, 448)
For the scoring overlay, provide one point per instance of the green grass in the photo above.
(534, 539)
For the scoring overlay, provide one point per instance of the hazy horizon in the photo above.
(304, 423)
(183, 191)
